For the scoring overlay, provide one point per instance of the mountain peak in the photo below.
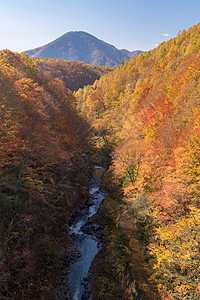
(83, 46)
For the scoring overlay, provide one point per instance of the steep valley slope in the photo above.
(142, 119)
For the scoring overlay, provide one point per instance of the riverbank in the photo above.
(119, 270)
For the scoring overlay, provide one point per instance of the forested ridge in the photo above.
(75, 75)
(147, 112)
(144, 117)
(44, 169)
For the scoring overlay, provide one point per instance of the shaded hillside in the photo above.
(148, 111)
(75, 75)
(44, 165)
(82, 46)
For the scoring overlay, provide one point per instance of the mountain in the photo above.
(82, 46)
(143, 118)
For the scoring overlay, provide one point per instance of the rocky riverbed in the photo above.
(86, 237)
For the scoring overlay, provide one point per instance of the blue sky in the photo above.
(129, 24)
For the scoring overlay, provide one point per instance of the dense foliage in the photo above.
(147, 111)
(44, 165)
(75, 75)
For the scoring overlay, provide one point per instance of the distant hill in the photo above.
(82, 46)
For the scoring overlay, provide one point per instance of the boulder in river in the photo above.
(98, 172)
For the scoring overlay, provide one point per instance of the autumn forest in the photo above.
(141, 121)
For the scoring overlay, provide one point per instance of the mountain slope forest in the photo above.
(57, 119)
(45, 160)
(147, 113)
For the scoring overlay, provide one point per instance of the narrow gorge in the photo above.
(87, 238)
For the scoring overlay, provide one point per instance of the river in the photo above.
(86, 240)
